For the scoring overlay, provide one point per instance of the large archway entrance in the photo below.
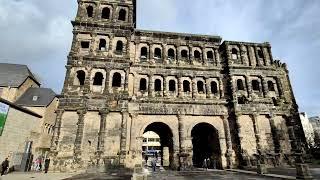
(165, 152)
(205, 141)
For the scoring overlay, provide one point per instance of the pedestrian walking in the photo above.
(4, 166)
(46, 165)
(205, 165)
(154, 164)
(146, 159)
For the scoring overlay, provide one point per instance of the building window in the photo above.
(157, 53)
(210, 55)
(172, 85)
(143, 84)
(105, 13)
(234, 53)
(98, 79)
(260, 54)
(122, 15)
(90, 11)
(255, 85)
(119, 48)
(102, 45)
(186, 86)
(144, 53)
(116, 80)
(240, 85)
(81, 75)
(200, 87)
(184, 54)
(85, 44)
(214, 87)
(197, 54)
(171, 53)
(271, 86)
(158, 85)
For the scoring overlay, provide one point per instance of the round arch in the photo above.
(166, 140)
(206, 144)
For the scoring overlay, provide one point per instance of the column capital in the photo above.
(103, 111)
(81, 111)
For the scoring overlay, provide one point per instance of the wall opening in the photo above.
(81, 75)
(98, 79)
(119, 47)
(260, 54)
(158, 85)
(143, 84)
(210, 55)
(85, 44)
(157, 53)
(206, 144)
(271, 86)
(234, 53)
(122, 15)
(116, 80)
(171, 54)
(105, 13)
(197, 54)
(144, 53)
(184, 54)
(240, 85)
(102, 45)
(214, 87)
(90, 11)
(255, 85)
(166, 153)
(172, 85)
(186, 86)
(200, 87)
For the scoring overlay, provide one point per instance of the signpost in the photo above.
(3, 116)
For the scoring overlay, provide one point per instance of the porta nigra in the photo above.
(203, 96)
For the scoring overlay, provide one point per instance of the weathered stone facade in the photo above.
(121, 82)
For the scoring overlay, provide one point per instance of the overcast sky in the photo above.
(38, 33)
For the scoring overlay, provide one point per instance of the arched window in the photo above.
(143, 84)
(197, 54)
(184, 54)
(240, 85)
(234, 53)
(200, 87)
(90, 11)
(157, 85)
(214, 87)
(122, 15)
(271, 86)
(157, 53)
(172, 85)
(210, 55)
(144, 52)
(98, 79)
(119, 48)
(81, 75)
(255, 85)
(260, 54)
(116, 80)
(186, 86)
(105, 13)
(171, 53)
(102, 45)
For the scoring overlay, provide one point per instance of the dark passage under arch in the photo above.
(205, 141)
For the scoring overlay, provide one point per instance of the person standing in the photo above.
(154, 164)
(4, 165)
(46, 165)
(146, 159)
(205, 165)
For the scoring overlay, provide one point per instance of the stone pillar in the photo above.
(208, 88)
(244, 56)
(261, 167)
(87, 81)
(151, 86)
(57, 128)
(221, 90)
(228, 141)
(165, 86)
(265, 89)
(182, 150)
(257, 57)
(266, 56)
(68, 79)
(194, 89)
(126, 81)
(79, 135)
(217, 57)
(204, 59)
(180, 87)
(102, 133)
(249, 86)
(107, 80)
(275, 137)
(123, 137)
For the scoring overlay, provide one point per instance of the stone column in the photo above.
(204, 59)
(102, 133)
(180, 87)
(126, 81)
(275, 137)
(228, 141)
(249, 86)
(217, 57)
(182, 150)
(266, 56)
(208, 88)
(261, 167)
(265, 89)
(107, 80)
(68, 81)
(79, 135)
(57, 129)
(123, 138)
(221, 90)
(194, 89)
(87, 81)
(257, 57)
(165, 87)
(151, 86)
(244, 56)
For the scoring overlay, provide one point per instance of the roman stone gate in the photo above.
(228, 101)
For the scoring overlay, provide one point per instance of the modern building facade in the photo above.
(205, 98)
